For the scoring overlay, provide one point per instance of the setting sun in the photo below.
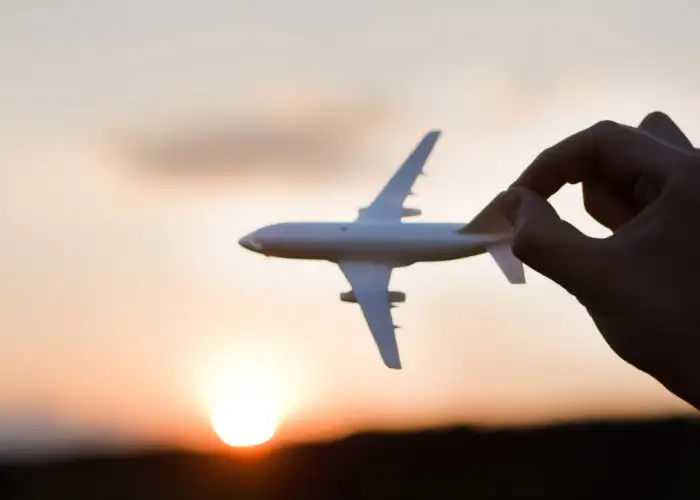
(247, 395)
(247, 416)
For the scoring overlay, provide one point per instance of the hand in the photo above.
(640, 284)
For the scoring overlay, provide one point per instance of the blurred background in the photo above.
(139, 140)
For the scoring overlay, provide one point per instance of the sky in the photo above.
(139, 140)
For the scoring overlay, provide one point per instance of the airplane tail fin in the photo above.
(491, 222)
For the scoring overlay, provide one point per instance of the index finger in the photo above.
(660, 125)
(607, 150)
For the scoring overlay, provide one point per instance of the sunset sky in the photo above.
(139, 140)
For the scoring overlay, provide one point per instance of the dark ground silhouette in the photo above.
(598, 460)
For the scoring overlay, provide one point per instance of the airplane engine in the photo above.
(397, 297)
(410, 212)
(394, 296)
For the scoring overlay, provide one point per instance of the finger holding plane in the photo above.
(612, 206)
(552, 246)
(608, 151)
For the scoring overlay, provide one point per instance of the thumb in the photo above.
(548, 244)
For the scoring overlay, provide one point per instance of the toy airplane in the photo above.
(368, 249)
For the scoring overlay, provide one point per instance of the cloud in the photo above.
(311, 142)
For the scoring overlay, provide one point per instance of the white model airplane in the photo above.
(370, 247)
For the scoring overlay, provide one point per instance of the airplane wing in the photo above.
(370, 283)
(389, 202)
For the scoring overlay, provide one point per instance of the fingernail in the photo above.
(510, 203)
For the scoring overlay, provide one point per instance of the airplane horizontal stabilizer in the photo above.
(509, 263)
(491, 221)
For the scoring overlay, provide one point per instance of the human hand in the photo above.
(638, 284)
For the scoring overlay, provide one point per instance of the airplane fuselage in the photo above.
(398, 243)
(369, 248)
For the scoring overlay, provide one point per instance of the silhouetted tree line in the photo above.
(602, 460)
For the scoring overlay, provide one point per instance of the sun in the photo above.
(248, 393)
(246, 416)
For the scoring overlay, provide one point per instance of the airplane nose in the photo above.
(246, 243)
(249, 243)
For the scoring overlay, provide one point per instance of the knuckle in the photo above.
(604, 132)
(655, 117)
(606, 127)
